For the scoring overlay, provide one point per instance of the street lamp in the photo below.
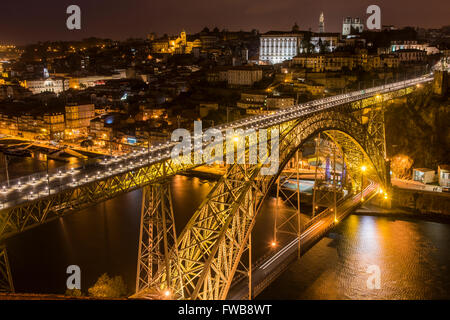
(166, 293)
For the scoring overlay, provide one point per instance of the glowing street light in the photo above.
(166, 293)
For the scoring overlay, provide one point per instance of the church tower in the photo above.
(321, 23)
(183, 38)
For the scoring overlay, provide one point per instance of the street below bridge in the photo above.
(268, 268)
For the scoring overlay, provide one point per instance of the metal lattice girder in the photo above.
(15, 218)
(157, 235)
(211, 245)
(288, 223)
(373, 100)
(321, 195)
(32, 213)
(375, 128)
(6, 283)
(355, 157)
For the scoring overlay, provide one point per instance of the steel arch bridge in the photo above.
(201, 262)
(207, 254)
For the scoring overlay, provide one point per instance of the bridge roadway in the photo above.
(268, 268)
(40, 185)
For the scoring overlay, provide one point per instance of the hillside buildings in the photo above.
(352, 26)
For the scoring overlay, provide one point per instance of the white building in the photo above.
(413, 44)
(55, 85)
(423, 175)
(352, 25)
(278, 48)
(444, 175)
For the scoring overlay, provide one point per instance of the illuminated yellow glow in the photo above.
(363, 168)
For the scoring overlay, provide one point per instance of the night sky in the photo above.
(28, 21)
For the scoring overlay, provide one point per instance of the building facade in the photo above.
(276, 48)
(352, 25)
(78, 119)
(55, 85)
(243, 76)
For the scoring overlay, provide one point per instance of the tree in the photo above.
(401, 166)
(87, 143)
(73, 293)
(107, 287)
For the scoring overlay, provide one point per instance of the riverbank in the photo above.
(401, 213)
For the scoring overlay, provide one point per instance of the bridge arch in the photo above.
(210, 247)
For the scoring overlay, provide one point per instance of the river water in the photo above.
(413, 256)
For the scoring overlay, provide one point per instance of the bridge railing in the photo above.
(95, 164)
(42, 183)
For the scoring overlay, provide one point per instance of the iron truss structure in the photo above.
(203, 260)
(6, 283)
(210, 248)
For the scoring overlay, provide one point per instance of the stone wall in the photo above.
(421, 201)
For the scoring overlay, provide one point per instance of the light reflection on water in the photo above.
(413, 257)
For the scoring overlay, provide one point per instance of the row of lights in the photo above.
(269, 120)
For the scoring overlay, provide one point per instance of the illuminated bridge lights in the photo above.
(61, 181)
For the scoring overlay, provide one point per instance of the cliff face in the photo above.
(419, 127)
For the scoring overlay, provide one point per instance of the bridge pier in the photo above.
(6, 282)
(289, 224)
(156, 239)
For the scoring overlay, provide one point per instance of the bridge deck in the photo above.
(27, 201)
(36, 186)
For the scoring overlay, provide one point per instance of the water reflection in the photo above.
(413, 257)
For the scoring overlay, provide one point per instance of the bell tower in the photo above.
(321, 23)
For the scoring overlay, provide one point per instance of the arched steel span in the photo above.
(208, 252)
(18, 212)
(225, 216)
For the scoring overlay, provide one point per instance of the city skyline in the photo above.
(138, 18)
